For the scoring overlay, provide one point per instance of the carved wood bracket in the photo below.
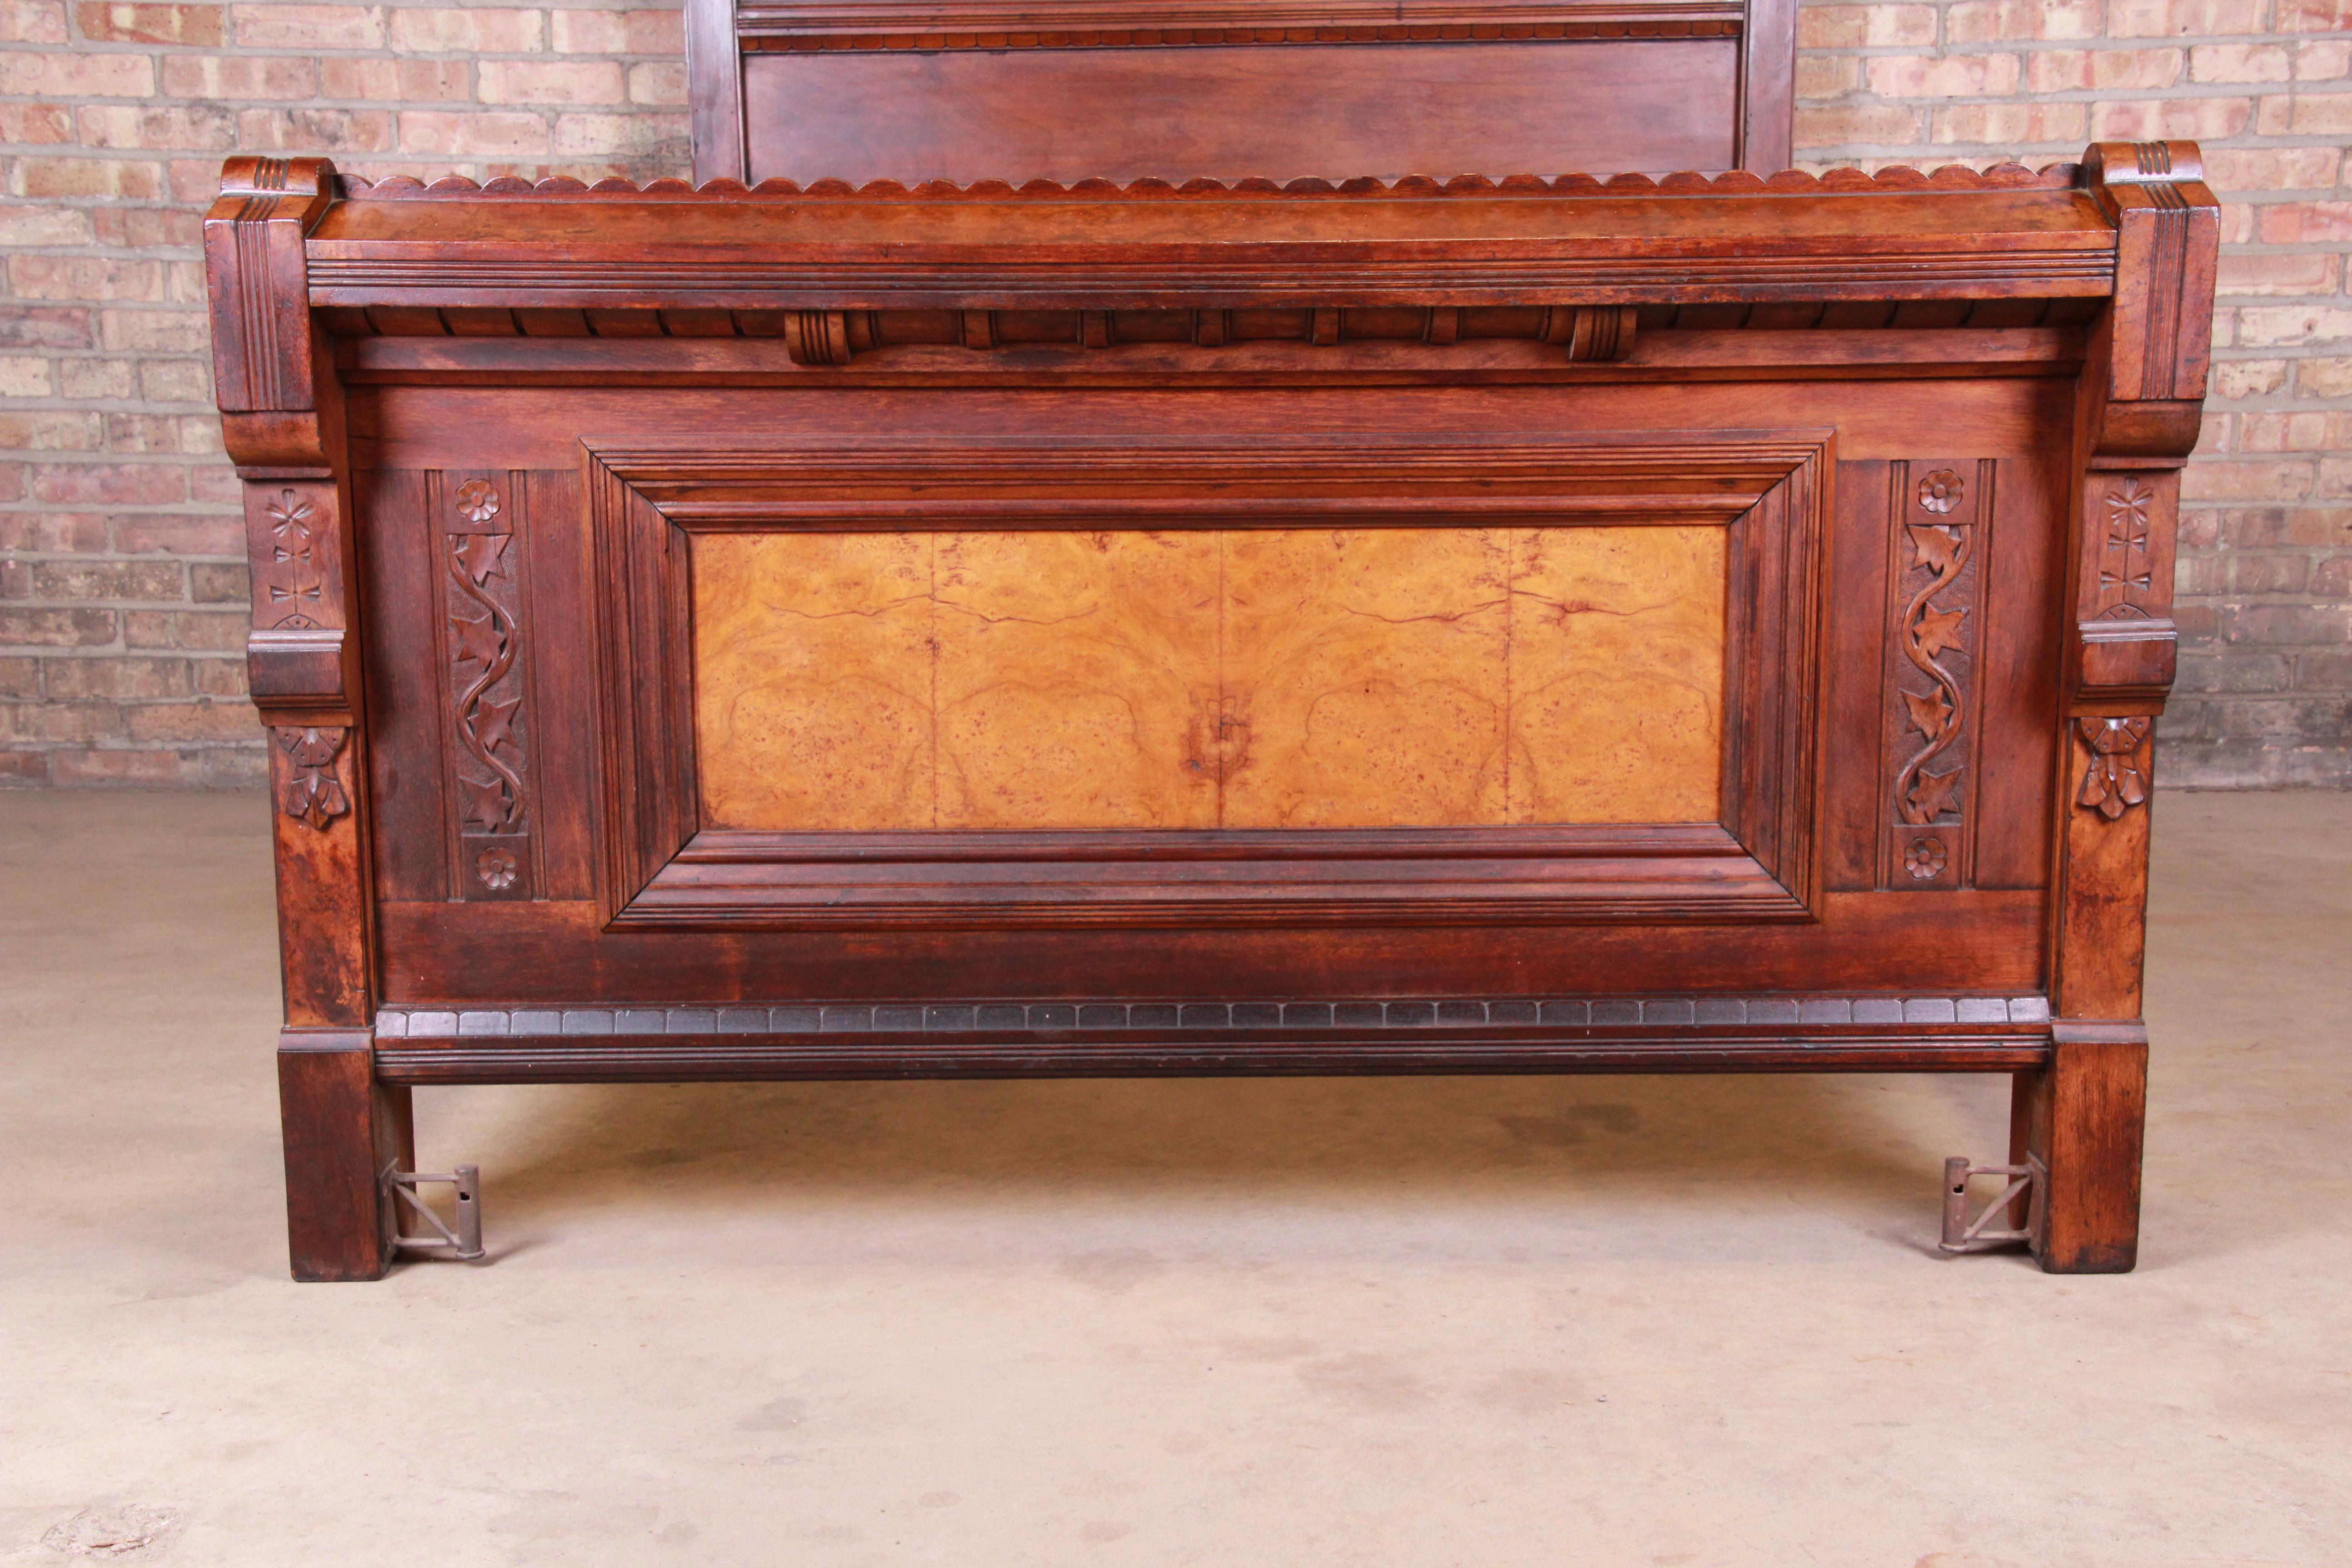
(312, 794)
(2120, 769)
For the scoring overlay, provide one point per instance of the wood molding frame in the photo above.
(664, 870)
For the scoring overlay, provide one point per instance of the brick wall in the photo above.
(121, 584)
(122, 575)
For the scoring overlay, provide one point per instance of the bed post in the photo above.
(281, 423)
(2142, 386)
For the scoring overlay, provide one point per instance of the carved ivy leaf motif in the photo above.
(496, 727)
(485, 804)
(478, 637)
(1929, 713)
(314, 797)
(1939, 629)
(1935, 793)
(483, 555)
(1937, 546)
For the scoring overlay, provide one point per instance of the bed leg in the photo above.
(2081, 1116)
(343, 1130)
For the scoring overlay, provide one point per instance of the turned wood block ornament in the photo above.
(1386, 620)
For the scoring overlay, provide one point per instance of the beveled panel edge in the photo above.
(1776, 479)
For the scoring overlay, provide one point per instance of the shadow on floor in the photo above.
(1695, 1137)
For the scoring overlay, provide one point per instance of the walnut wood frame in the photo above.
(666, 870)
(407, 375)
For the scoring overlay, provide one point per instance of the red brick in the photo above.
(316, 131)
(197, 630)
(178, 533)
(124, 179)
(2307, 222)
(200, 127)
(574, 32)
(511, 134)
(43, 326)
(65, 75)
(117, 679)
(652, 138)
(2324, 60)
(27, 626)
(2234, 379)
(81, 722)
(2314, 114)
(36, 123)
(661, 83)
(192, 721)
(32, 22)
(2269, 574)
(220, 677)
(219, 582)
(132, 484)
(2297, 274)
(20, 678)
(2113, 69)
(471, 31)
(51, 430)
(2009, 126)
(2183, 18)
(2314, 15)
(2215, 480)
(26, 375)
(2057, 71)
(1942, 75)
(2240, 62)
(549, 81)
(277, 77)
(84, 278)
(2190, 119)
(53, 531)
(1985, 21)
(195, 26)
(215, 482)
(407, 80)
(154, 331)
(147, 228)
(662, 31)
(2265, 325)
(308, 26)
(178, 435)
(146, 582)
(2258, 169)
(2324, 378)
(1818, 76)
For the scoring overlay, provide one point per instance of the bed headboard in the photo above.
(968, 90)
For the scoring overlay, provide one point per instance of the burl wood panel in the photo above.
(1338, 111)
(1247, 678)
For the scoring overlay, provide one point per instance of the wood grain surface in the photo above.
(1268, 678)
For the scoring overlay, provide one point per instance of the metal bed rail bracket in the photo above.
(2028, 1183)
(463, 1242)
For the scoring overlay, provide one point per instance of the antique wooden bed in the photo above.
(1527, 625)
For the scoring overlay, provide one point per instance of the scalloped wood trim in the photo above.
(1951, 177)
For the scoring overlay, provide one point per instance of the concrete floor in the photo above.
(1387, 1323)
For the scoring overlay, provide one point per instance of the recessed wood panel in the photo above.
(1335, 112)
(1206, 679)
